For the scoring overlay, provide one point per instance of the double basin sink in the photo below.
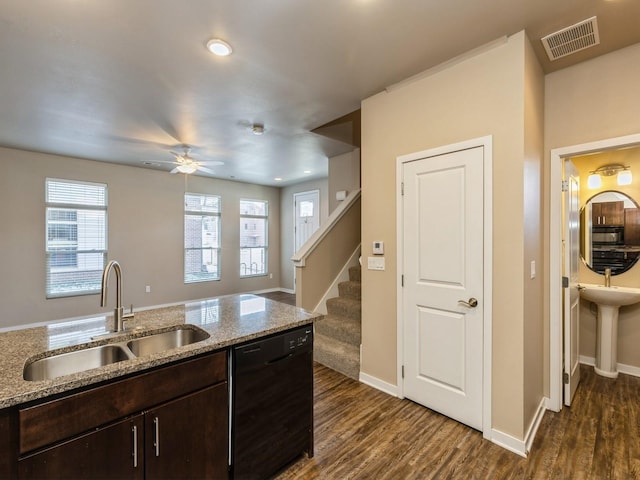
(55, 366)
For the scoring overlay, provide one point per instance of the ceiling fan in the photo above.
(187, 164)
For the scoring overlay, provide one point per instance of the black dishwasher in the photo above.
(272, 403)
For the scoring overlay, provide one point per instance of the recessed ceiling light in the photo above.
(219, 47)
(257, 129)
(278, 179)
(307, 172)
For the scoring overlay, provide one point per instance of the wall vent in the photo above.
(572, 39)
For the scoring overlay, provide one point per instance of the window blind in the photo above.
(76, 237)
(201, 237)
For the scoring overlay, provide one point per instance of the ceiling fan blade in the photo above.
(205, 169)
(212, 163)
(175, 170)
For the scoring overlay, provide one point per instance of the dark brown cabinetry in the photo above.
(607, 213)
(112, 452)
(167, 423)
(187, 438)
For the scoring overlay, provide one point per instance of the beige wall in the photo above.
(286, 225)
(535, 365)
(591, 101)
(344, 174)
(145, 234)
(484, 95)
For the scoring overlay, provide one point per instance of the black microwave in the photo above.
(607, 235)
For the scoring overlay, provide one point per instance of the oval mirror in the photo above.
(610, 232)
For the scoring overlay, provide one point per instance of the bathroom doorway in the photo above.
(556, 227)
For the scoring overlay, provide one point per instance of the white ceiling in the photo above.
(126, 81)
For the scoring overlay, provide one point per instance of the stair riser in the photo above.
(355, 274)
(350, 290)
(340, 310)
(340, 330)
(347, 364)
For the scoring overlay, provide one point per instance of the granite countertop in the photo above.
(229, 320)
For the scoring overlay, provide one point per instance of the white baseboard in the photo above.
(535, 424)
(508, 442)
(622, 368)
(270, 290)
(380, 385)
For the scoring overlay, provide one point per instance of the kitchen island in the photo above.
(37, 418)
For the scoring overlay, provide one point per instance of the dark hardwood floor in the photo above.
(284, 297)
(361, 433)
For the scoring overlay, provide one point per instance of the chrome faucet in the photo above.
(607, 277)
(118, 313)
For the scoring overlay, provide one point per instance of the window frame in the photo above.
(264, 247)
(52, 253)
(218, 249)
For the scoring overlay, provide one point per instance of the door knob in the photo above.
(472, 303)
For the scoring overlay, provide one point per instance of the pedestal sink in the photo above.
(609, 301)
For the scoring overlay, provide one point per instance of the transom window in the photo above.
(253, 237)
(76, 237)
(201, 237)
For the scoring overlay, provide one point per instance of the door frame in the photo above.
(558, 155)
(487, 143)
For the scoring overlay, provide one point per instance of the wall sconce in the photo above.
(623, 172)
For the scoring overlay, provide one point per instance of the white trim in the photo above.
(487, 143)
(512, 444)
(342, 276)
(534, 425)
(300, 256)
(269, 290)
(380, 385)
(555, 253)
(622, 368)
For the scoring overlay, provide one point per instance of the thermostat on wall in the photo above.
(378, 248)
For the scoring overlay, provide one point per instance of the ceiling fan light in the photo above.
(219, 47)
(625, 177)
(594, 180)
(186, 168)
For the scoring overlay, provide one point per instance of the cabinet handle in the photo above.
(135, 446)
(156, 436)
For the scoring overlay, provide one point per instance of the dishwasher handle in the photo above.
(279, 359)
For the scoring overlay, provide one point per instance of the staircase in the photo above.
(338, 335)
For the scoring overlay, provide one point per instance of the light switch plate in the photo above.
(533, 269)
(375, 263)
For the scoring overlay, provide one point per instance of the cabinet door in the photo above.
(188, 437)
(112, 452)
(613, 213)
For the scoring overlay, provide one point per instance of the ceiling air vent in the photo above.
(572, 39)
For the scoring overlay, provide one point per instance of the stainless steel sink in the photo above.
(74, 362)
(93, 357)
(165, 341)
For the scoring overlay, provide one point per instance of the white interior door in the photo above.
(306, 216)
(443, 225)
(571, 315)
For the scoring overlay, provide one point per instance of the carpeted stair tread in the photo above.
(345, 307)
(350, 289)
(355, 273)
(339, 356)
(346, 329)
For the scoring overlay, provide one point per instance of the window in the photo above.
(76, 242)
(253, 237)
(201, 238)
